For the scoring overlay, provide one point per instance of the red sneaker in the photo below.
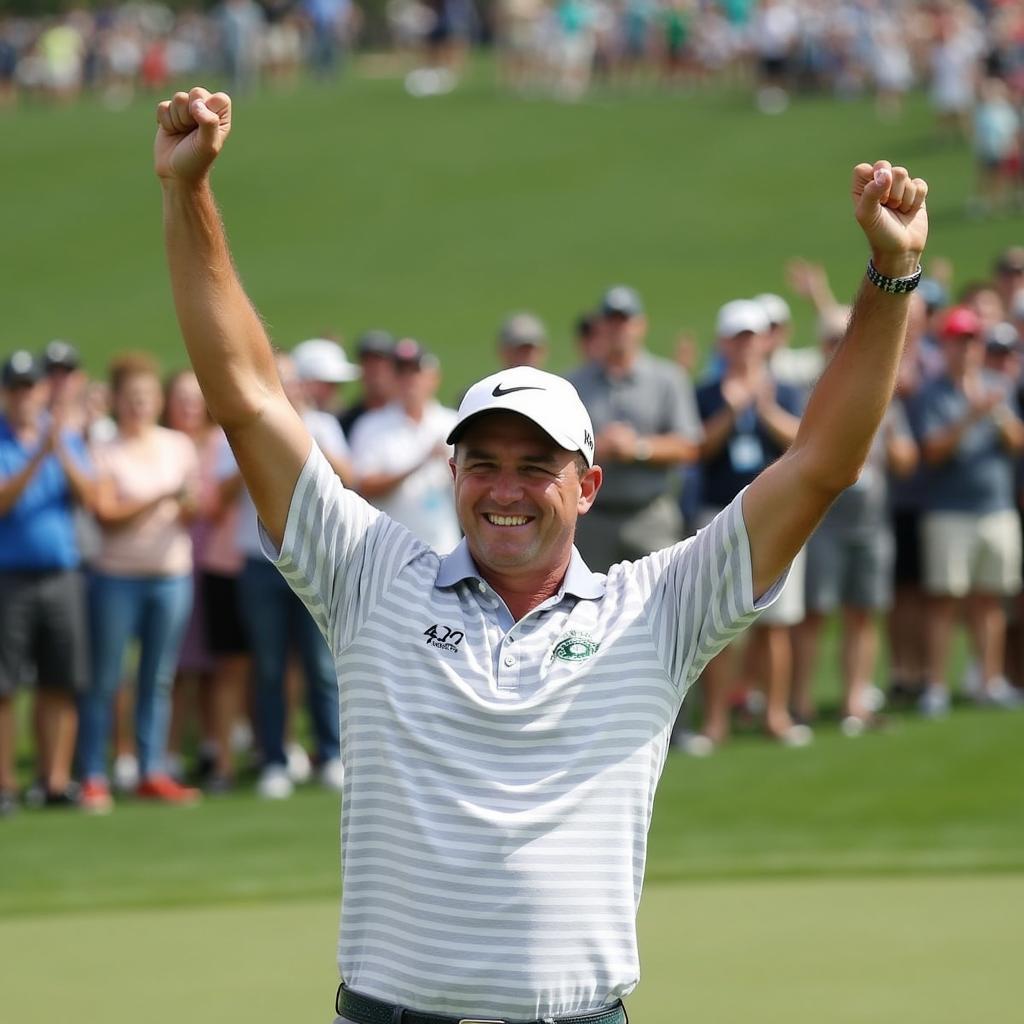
(94, 797)
(166, 790)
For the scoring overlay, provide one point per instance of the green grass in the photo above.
(916, 951)
(354, 205)
(921, 798)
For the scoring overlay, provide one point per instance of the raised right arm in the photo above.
(224, 336)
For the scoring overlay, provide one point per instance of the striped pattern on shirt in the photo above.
(499, 782)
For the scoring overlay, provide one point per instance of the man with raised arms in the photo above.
(505, 711)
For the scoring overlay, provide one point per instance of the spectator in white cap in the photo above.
(800, 367)
(322, 365)
(522, 341)
(750, 419)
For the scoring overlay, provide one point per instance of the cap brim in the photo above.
(560, 439)
(340, 376)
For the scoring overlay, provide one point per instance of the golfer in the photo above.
(505, 712)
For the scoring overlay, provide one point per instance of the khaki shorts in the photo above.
(788, 608)
(965, 552)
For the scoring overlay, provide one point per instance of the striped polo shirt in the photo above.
(500, 775)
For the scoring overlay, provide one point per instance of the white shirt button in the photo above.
(509, 660)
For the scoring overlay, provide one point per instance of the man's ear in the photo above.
(590, 484)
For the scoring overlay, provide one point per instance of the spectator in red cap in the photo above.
(970, 431)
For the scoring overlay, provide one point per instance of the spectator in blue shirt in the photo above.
(43, 473)
(749, 420)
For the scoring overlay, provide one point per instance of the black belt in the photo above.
(366, 1010)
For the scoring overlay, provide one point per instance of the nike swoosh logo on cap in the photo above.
(500, 392)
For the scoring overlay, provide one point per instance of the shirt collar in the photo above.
(579, 580)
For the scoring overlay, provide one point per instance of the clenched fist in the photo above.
(192, 127)
(890, 208)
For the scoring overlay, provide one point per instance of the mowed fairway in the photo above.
(916, 951)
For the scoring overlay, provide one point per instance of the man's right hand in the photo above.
(192, 128)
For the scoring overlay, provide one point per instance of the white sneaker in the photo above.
(852, 726)
(126, 773)
(874, 698)
(797, 735)
(241, 737)
(934, 702)
(274, 783)
(332, 774)
(300, 769)
(694, 744)
(1000, 693)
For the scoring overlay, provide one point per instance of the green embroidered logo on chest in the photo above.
(576, 647)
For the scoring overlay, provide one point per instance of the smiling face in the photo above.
(518, 495)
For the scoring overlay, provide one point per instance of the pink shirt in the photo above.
(221, 554)
(156, 543)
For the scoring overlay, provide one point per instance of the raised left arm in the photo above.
(786, 502)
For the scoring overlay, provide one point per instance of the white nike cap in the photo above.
(549, 401)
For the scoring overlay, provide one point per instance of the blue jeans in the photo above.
(154, 610)
(277, 622)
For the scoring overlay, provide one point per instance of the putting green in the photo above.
(929, 950)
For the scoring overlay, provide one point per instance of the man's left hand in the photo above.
(890, 208)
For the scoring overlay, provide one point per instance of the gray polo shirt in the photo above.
(500, 775)
(655, 397)
(978, 477)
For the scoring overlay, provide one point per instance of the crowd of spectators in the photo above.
(847, 47)
(125, 526)
(116, 49)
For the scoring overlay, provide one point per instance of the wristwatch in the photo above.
(642, 450)
(894, 285)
